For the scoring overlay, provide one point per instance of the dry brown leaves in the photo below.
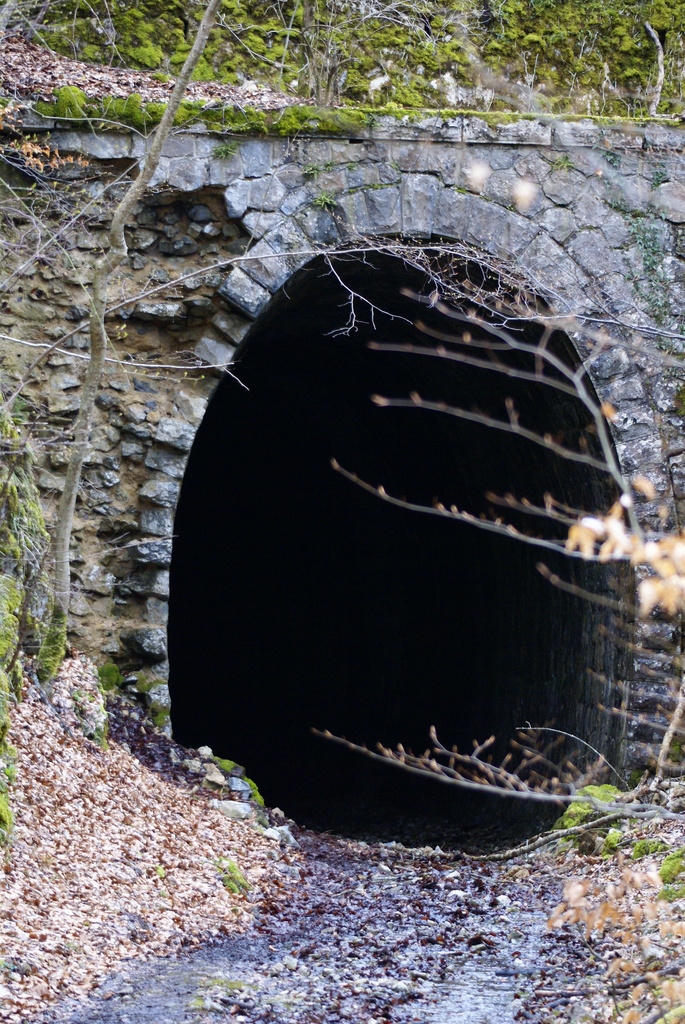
(639, 937)
(27, 70)
(108, 861)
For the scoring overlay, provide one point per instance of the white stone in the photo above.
(233, 809)
(213, 352)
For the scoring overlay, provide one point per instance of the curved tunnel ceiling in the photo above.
(299, 600)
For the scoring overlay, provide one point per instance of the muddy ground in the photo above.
(370, 934)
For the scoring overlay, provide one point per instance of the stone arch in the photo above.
(424, 206)
(246, 695)
(415, 181)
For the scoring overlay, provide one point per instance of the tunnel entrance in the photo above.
(298, 600)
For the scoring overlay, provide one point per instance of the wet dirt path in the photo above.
(364, 933)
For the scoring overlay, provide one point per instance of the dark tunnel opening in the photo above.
(298, 600)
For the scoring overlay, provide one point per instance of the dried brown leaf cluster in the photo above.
(108, 860)
(610, 538)
(616, 901)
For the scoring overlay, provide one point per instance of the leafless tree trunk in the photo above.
(656, 98)
(104, 267)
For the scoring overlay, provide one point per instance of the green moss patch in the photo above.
(672, 866)
(670, 893)
(23, 544)
(590, 57)
(578, 813)
(648, 848)
(611, 842)
(232, 877)
(110, 676)
(53, 648)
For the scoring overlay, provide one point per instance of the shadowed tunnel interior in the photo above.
(298, 600)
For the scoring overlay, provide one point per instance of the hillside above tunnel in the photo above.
(552, 56)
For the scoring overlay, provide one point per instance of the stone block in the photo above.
(592, 252)
(149, 642)
(237, 810)
(419, 198)
(555, 274)
(152, 582)
(634, 191)
(290, 174)
(266, 193)
(200, 307)
(181, 245)
(158, 697)
(160, 177)
(175, 434)
(669, 200)
(245, 294)
(320, 226)
(265, 267)
(384, 210)
(64, 403)
(160, 312)
(224, 171)
(171, 463)
(200, 213)
(157, 521)
(142, 239)
(677, 464)
(559, 223)
(497, 230)
(452, 215)
(157, 611)
(152, 552)
(532, 167)
(295, 200)
(526, 132)
(564, 186)
(257, 223)
(408, 157)
(616, 231)
(215, 353)
(163, 493)
(658, 137)
(633, 419)
(353, 216)
(97, 580)
(257, 157)
(577, 133)
(236, 198)
(97, 145)
(132, 450)
(232, 327)
(179, 144)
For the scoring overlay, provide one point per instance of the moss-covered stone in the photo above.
(6, 819)
(23, 543)
(591, 57)
(670, 893)
(232, 877)
(647, 848)
(110, 676)
(577, 813)
(53, 647)
(672, 866)
(256, 795)
(611, 842)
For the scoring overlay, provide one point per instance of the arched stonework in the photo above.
(598, 236)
